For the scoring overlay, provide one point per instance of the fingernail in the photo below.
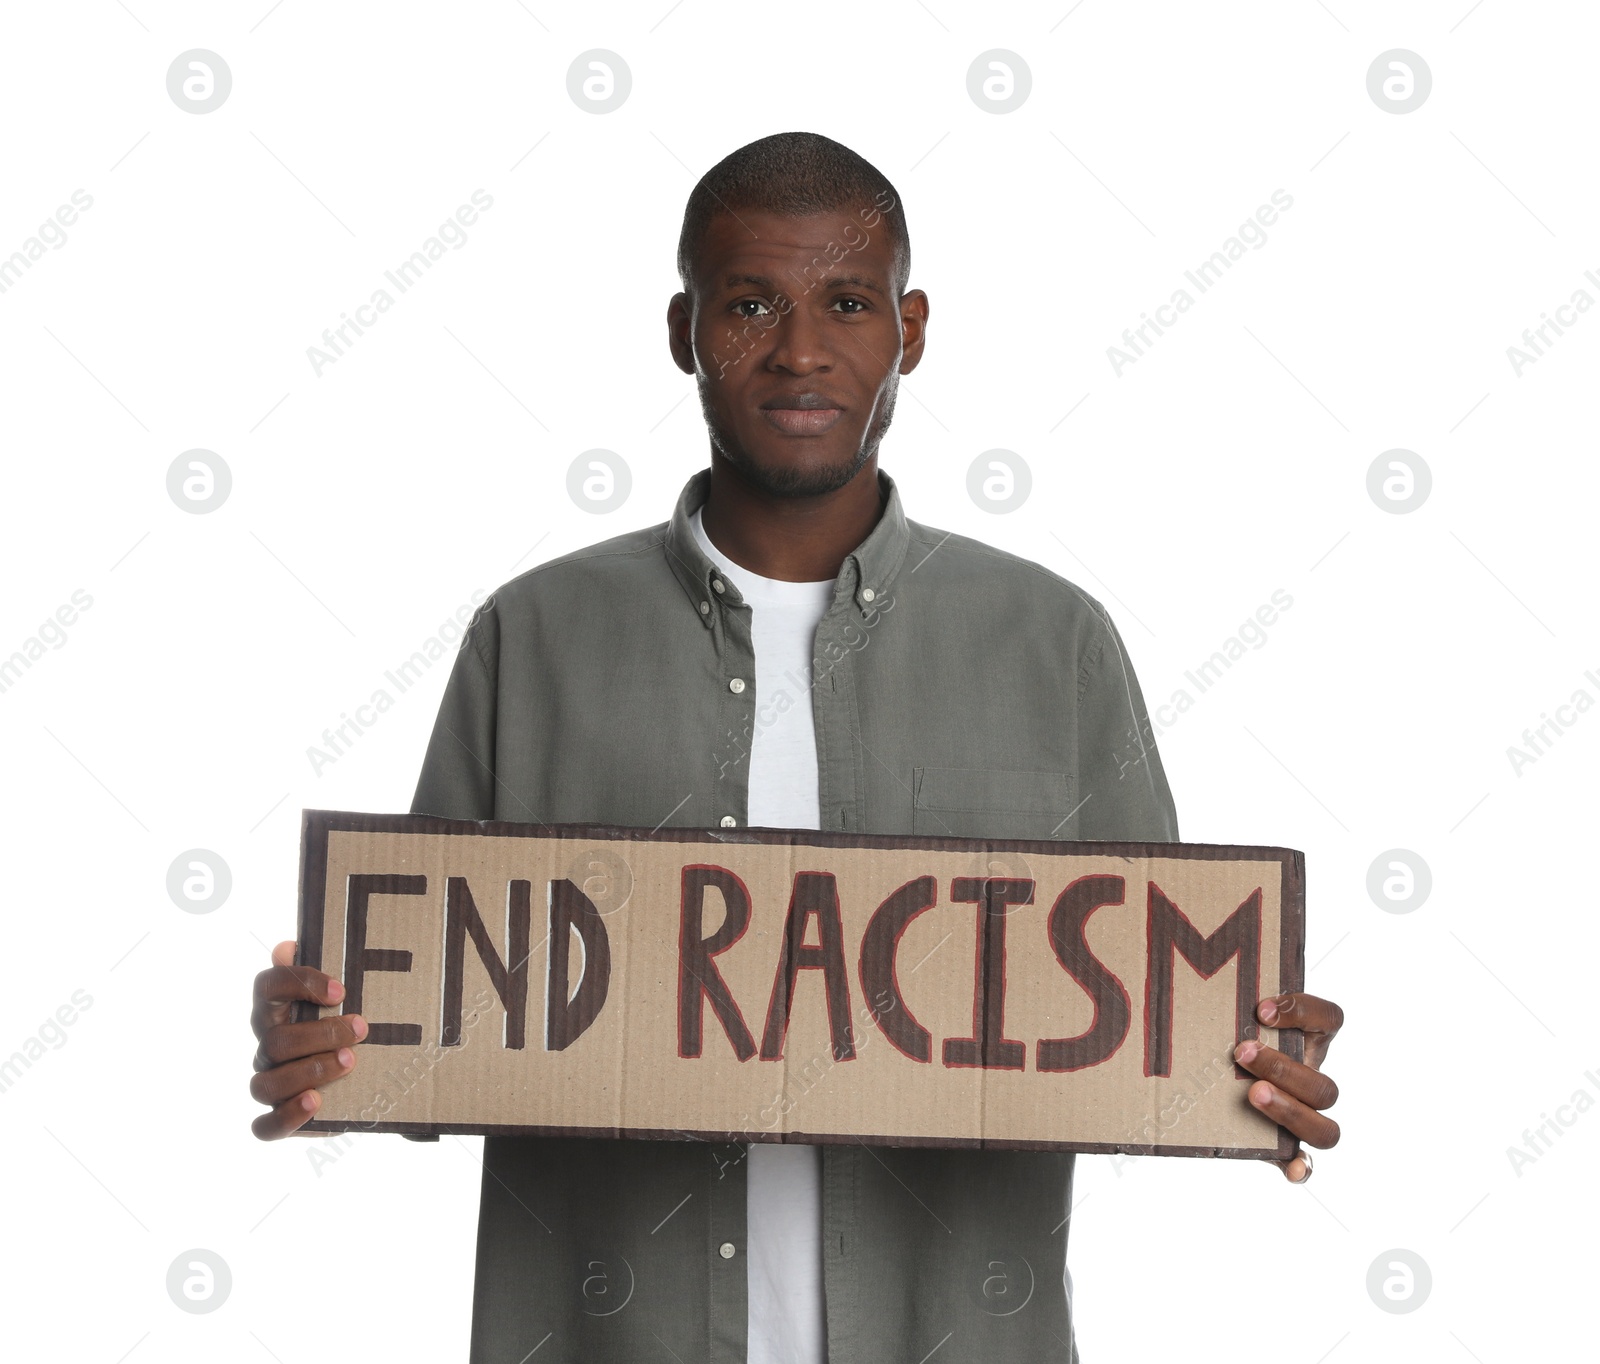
(308, 1100)
(358, 1025)
(1269, 1010)
(1246, 1051)
(1261, 1094)
(335, 991)
(347, 1058)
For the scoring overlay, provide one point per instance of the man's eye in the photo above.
(744, 303)
(858, 306)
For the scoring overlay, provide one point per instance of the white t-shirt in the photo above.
(787, 1324)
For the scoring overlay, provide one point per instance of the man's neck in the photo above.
(792, 539)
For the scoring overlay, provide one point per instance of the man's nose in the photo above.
(799, 342)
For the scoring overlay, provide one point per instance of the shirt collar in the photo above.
(866, 575)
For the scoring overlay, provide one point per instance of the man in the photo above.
(790, 650)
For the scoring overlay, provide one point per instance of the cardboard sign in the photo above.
(776, 985)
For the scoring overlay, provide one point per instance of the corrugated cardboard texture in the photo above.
(971, 1053)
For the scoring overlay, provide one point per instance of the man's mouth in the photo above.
(801, 414)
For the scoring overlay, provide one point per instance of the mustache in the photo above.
(786, 481)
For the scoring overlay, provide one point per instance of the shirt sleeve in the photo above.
(1125, 793)
(458, 777)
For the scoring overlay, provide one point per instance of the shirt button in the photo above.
(717, 585)
(728, 822)
(736, 686)
(726, 1250)
(705, 608)
(867, 594)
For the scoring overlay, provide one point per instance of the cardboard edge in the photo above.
(314, 829)
(345, 821)
(336, 1125)
(1292, 970)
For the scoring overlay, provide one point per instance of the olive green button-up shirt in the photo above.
(957, 690)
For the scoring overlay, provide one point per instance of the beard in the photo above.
(784, 480)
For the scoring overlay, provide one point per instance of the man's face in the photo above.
(797, 343)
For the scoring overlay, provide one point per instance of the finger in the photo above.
(278, 988)
(290, 1041)
(287, 1117)
(310, 1072)
(1295, 1010)
(1293, 1116)
(1319, 1019)
(283, 953)
(286, 984)
(1297, 1170)
(1302, 1082)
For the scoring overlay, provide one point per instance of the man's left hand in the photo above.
(1291, 1094)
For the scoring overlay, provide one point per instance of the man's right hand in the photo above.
(294, 1058)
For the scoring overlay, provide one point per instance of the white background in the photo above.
(369, 502)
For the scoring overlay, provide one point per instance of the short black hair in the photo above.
(796, 174)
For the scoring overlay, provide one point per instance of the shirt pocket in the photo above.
(984, 802)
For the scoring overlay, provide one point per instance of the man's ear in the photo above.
(913, 327)
(680, 331)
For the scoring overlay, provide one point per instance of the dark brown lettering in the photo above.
(988, 1046)
(1113, 1011)
(359, 958)
(880, 980)
(815, 895)
(698, 976)
(1168, 932)
(566, 1020)
(509, 978)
